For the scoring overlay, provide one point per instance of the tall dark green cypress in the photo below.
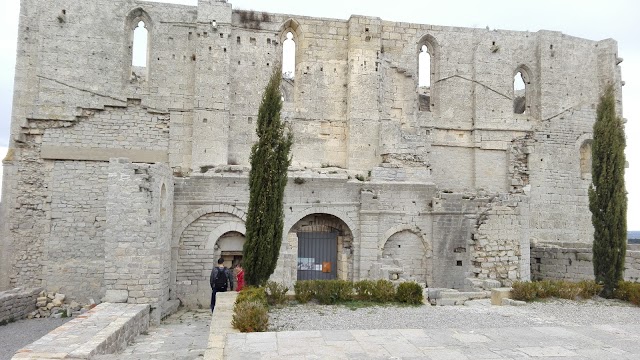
(270, 159)
(608, 196)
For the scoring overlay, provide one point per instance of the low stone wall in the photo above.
(17, 303)
(220, 325)
(105, 329)
(573, 261)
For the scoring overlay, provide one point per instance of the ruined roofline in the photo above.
(384, 22)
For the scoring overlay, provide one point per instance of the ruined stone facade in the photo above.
(126, 182)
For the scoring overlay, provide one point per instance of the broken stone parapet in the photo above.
(17, 303)
(498, 294)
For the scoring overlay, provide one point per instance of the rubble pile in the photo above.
(54, 305)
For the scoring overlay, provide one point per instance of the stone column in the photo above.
(138, 234)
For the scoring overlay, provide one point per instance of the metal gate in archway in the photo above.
(317, 255)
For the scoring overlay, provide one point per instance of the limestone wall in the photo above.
(573, 261)
(137, 237)
(372, 150)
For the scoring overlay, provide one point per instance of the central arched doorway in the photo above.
(323, 244)
(229, 247)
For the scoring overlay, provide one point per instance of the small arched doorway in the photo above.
(229, 247)
(323, 244)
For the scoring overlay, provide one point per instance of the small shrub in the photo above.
(589, 289)
(252, 294)
(383, 291)
(364, 290)
(304, 290)
(276, 293)
(568, 290)
(299, 181)
(547, 289)
(524, 290)
(409, 293)
(333, 291)
(359, 177)
(628, 291)
(250, 316)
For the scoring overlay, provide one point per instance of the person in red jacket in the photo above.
(239, 277)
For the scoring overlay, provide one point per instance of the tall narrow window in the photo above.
(425, 68)
(289, 57)
(519, 94)
(140, 45)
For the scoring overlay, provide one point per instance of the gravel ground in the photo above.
(475, 314)
(14, 336)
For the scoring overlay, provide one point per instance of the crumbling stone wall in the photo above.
(574, 262)
(370, 148)
(16, 304)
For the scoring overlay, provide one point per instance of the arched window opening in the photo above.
(585, 160)
(424, 67)
(519, 94)
(425, 71)
(289, 57)
(140, 45)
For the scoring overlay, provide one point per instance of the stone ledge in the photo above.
(105, 329)
(220, 325)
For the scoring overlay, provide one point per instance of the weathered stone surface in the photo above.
(432, 184)
(497, 294)
(116, 296)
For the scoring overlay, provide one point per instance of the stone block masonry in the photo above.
(17, 303)
(442, 182)
(574, 262)
(105, 329)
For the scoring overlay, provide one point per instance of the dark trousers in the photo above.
(213, 297)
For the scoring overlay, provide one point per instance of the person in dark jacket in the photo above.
(220, 281)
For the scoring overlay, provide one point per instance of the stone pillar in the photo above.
(211, 102)
(366, 246)
(138, 234)
(362, 97)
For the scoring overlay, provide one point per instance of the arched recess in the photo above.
(137, 74)
(405, 247)
(194, 215)
(427, 48)
(584, 142)
(522, 97)
(290, 220)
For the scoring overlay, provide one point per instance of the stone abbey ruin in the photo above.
(415, 156)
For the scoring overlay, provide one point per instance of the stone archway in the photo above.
(327, 229)
(406, 248)
(199, 246)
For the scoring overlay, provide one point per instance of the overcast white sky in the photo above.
(591, 19)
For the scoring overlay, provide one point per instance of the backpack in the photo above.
(222, 279)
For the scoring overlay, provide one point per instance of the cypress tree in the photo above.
(608, 196)
(270, 159)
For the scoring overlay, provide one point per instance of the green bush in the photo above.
(547, 289)
(250, 316)
(364, 290)
(304, 290)
(628, 291)
(276, 293)
(252, 294)
(409, 293)
(568, 290)
(383, 291)
(524, 290)
(333, 291)
(589, 289)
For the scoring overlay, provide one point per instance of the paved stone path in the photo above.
(181, 336)
(552, 342)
